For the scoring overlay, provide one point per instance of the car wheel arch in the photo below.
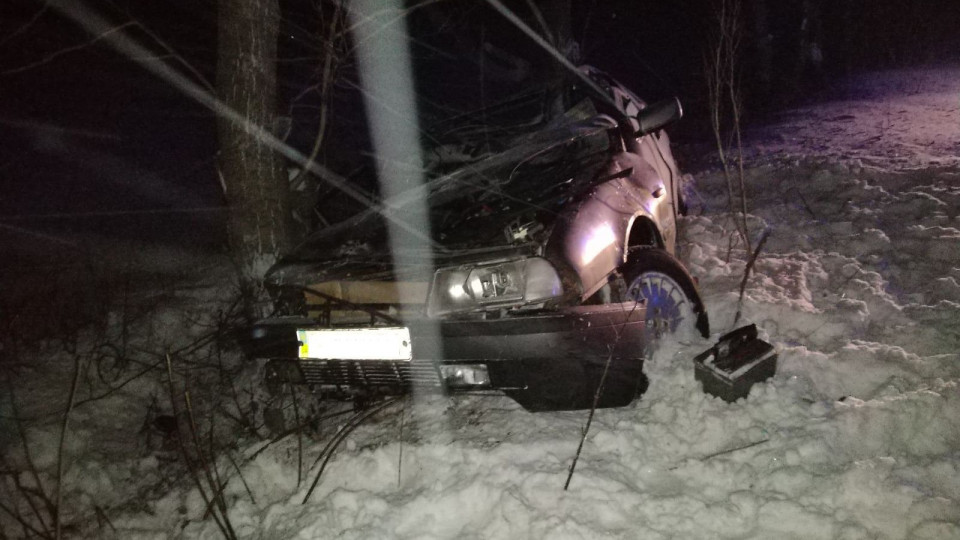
(642, 233)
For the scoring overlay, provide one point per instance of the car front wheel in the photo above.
(671, 296)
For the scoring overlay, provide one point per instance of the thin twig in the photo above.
(242, 479)
(400, 453)
(732, 450)
(23, 522)
(31, 467)
(242, 418)
(183, 448)
(722, 82)
(289, 432)
(544, 27)
(727, 451)
(596, 399)
(586, 428)
(27, 25)
(746, 272)
(339, 437)
(296, 420)
(63, 433)
(325, 84)
(29, 495)
(176, 56)
(804, 201)
(198, 343)
(733, 87)
(102, 518)
(216, 493)
(53, 56)
(212, 507)
(221, 484)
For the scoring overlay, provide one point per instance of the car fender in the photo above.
(590, 236)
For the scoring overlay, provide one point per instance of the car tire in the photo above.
(673, 301)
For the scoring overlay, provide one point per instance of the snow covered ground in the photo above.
(856, 437)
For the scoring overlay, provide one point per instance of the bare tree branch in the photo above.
(27, 25)
(176, 56)
(326, 83)
(544, 27)
(54, 55)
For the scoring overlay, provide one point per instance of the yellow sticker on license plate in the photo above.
(355, 344)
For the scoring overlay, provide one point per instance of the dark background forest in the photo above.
(93, 143)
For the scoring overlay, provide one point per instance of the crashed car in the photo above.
(551, 270)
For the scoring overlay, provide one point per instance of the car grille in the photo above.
(368, 373)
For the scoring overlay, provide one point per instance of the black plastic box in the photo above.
(738, 361)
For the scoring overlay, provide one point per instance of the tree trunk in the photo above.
(251, 174)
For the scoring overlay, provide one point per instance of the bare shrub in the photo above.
(722, 71)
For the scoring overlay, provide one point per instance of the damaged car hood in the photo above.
(497, 204)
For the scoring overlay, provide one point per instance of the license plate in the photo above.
(356, 344)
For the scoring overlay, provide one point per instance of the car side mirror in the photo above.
(658, 115)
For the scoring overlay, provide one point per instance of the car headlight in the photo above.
(485, 285)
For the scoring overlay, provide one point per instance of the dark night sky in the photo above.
(88, 131)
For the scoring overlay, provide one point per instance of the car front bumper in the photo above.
(545, 361)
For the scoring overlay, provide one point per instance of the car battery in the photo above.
(739, 359)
